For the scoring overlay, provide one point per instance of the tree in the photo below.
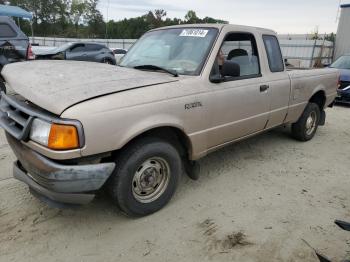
(210, 20)
(330, 37)
(159, 14)
(77, 10)
(96, 24)
(81, 18)
(315, 35)
(191, 17)
(155, 18)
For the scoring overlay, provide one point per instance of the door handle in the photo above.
(264, 88)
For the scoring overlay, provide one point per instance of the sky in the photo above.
(283, 16)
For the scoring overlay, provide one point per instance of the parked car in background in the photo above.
(119, 53)
(14, 45)
(79, 51)
(41, 50)
(343, 64)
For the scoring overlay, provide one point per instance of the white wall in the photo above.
(342, 43)
(304, 53)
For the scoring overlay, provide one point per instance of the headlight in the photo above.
(40, 132)
(54, 136)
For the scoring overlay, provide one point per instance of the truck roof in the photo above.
(221, 26)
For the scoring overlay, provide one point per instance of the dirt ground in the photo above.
(269, 198)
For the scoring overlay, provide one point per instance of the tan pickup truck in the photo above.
(180, 93)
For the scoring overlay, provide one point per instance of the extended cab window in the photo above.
(6, 31)
(241, 49)
(274, 54)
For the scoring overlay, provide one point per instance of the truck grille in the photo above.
(15, 118)
(344, 84)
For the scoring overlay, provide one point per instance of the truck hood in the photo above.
(57, 85)
(345, 75)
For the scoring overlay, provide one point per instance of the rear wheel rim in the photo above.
(311, 123)
(150, 180)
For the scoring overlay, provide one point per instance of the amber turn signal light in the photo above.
(63, 137)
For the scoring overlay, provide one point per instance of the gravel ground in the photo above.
(269, 198)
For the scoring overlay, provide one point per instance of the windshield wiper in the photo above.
(154, 67)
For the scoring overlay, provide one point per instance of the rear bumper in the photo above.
(68, 184)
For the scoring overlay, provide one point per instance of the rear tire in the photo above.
(146, 176)
(305, 128)
(107, 61)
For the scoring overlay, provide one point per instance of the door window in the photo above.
(241, 49)
(93, 47)
(78, 48)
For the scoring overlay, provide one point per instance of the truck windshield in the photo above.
(342, 62)
(182, 50)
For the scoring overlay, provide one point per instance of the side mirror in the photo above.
(230, 69)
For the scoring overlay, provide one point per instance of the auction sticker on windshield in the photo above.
(194, 32)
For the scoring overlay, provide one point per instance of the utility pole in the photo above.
(107, 18)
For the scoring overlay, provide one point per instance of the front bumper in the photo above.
(67, 184)
(343, 96)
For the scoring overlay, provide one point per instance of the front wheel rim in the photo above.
(150, 180)
(311, 123)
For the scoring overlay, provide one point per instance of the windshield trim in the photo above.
(199, 71)
(211, 50)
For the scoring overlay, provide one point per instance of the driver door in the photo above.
(240, 105)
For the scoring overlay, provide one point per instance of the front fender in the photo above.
(148, 124)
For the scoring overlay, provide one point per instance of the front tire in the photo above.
(305, 128)
(2, 87)
(146, 176)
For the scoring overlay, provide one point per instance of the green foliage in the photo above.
(81, 18)
(135, 27)
(330, 37)
(63, 18)
(191, 17)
